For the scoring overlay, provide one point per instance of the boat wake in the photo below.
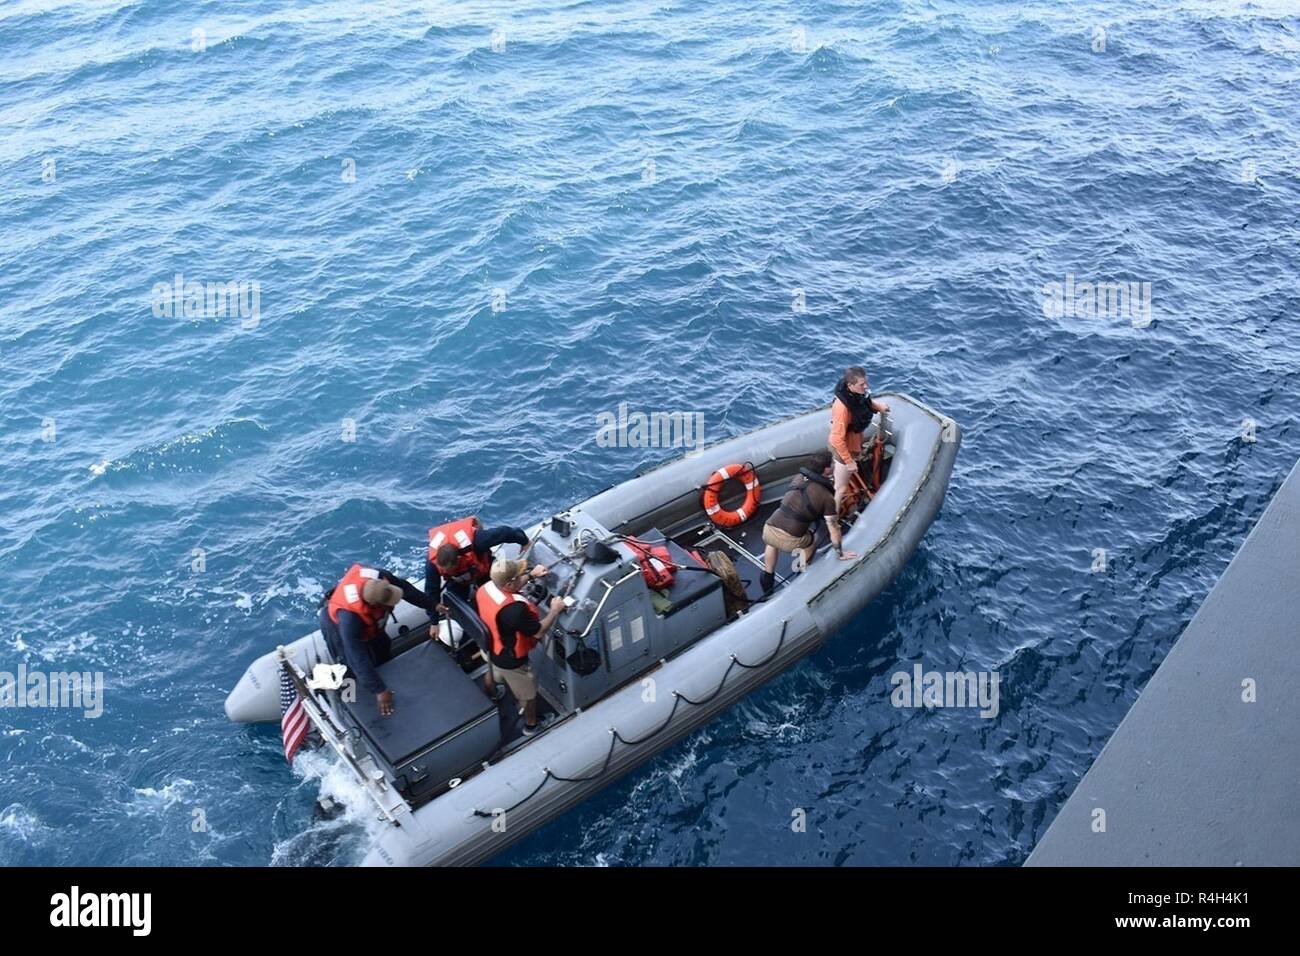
(335, 839)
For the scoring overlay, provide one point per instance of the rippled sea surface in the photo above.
(640, 189)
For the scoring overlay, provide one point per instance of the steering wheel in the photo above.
(537, 591)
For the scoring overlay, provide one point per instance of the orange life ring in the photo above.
(721, 516)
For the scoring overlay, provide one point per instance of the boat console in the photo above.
(616, 627)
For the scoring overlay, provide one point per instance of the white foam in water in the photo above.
(336, 782)
(151, 800)
(360, 815)
(70, 647)
(20, 823)
(306, 587)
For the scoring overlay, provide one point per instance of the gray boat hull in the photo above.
(588, 750)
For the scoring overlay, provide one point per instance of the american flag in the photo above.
(294, 722)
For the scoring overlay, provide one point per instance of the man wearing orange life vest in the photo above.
(850, 416)
(514, 626)
(352, 623)
(461, 553)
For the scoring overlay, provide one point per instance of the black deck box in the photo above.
(444, 723)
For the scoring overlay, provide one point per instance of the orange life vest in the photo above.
(491, 601)
(460, 535)
(656, 562)
(347, 597)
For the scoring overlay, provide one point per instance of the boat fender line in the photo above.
(615, 737)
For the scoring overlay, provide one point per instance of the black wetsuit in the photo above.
(811, 499)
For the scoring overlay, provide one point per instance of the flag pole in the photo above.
(391, 804)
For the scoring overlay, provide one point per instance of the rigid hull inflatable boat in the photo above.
(627, 670)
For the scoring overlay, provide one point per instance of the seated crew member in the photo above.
(352, 623)
(514, 627)
(850, 415)
(791, 528)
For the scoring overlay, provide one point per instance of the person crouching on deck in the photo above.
(791, 528)
(460, 554)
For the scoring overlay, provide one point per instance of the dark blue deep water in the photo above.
(649, 183)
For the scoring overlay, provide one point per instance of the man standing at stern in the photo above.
(850, 416)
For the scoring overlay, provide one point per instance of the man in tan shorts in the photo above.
(851, 413)
(515, 628)
(811, 499)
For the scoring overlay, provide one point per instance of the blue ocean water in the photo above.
(476, 226)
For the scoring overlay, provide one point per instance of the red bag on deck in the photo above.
(656, 564)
